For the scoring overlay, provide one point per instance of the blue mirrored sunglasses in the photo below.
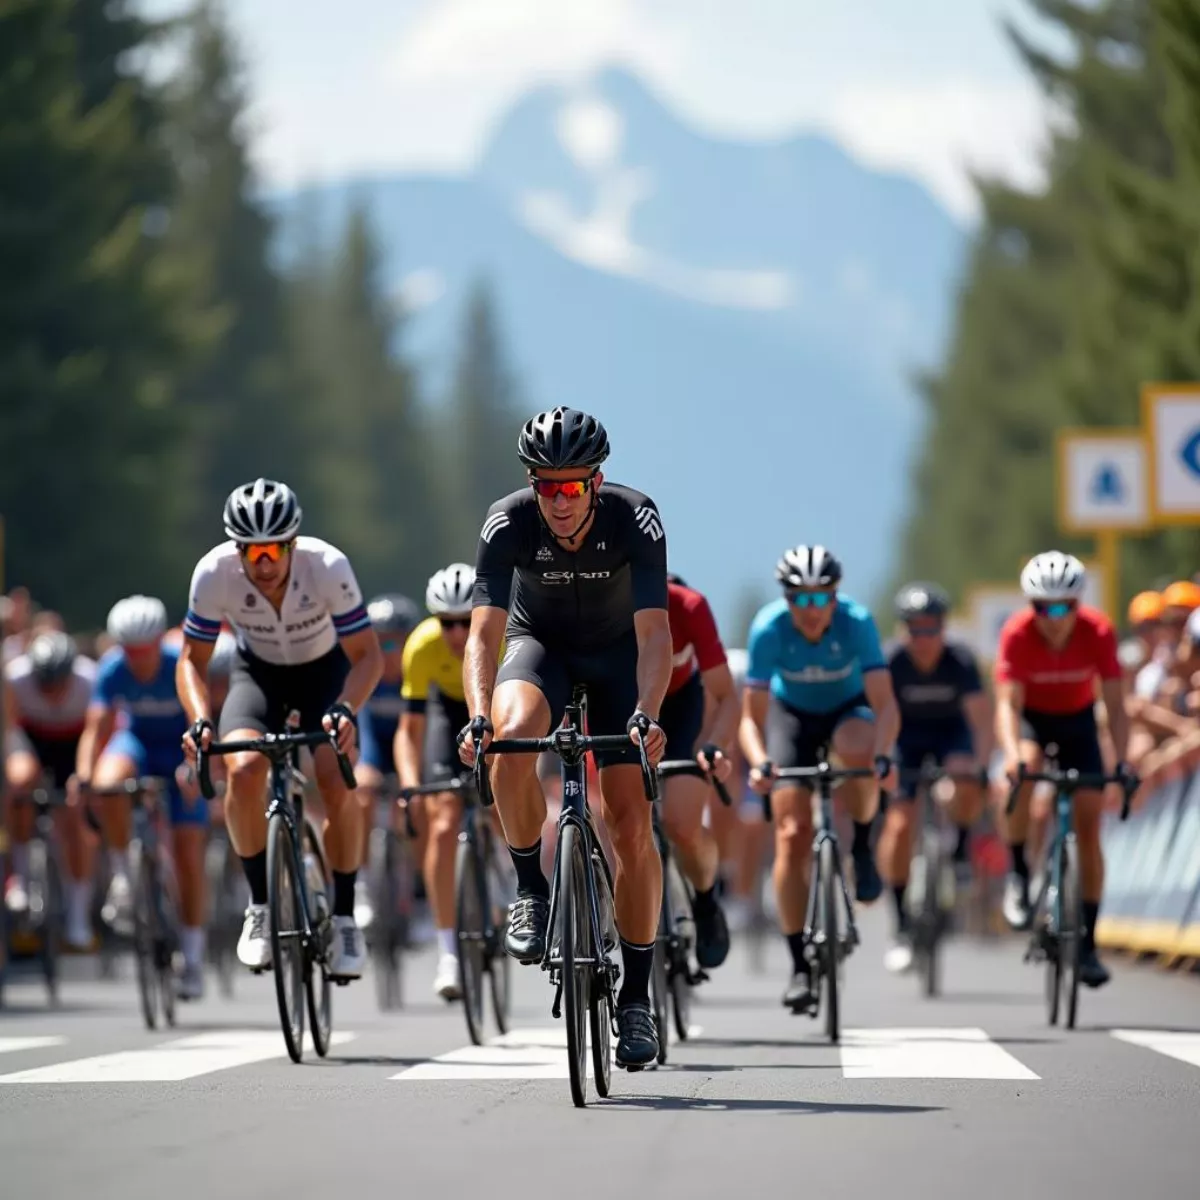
(1054, 608)
(810, 599)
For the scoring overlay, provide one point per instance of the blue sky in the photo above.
(926, 86)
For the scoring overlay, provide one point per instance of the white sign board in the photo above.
(1102, 481)
(1172, 418)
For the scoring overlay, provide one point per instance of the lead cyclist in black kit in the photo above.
(576, 569)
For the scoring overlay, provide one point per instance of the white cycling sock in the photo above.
(448, 941)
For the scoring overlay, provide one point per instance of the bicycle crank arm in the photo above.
(556, 1007)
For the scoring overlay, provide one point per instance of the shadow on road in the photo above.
(1030, 999)
(809, 1107)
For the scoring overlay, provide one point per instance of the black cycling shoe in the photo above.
(637, 1037)
(1092, 972)
(712, 936)
(527, 921)
(868, 887)
(799, 994)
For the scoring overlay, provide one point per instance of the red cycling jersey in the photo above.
(1058, 681)
(695, 642)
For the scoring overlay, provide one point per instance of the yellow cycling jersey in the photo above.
(428, 661)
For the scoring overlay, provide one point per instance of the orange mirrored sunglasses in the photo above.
(255, 552)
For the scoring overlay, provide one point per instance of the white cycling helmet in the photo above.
(262, 511)
(449, 591)
(1053, 576)
(137, 620)
(808, 567)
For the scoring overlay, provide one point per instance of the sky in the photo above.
(929, 87)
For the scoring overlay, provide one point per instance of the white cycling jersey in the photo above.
(41, 716)
(323, 603)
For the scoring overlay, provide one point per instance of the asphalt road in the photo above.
(971, 1094)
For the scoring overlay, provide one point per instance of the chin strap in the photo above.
(587, 516)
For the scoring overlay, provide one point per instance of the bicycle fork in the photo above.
(1044, 941)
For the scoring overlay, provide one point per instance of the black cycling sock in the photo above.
(637, 960)
(1019, 865)
(1091, 911)
(528, 865)
(898, 891)
(963, 844)
(795, 943)
(862, 839)
(256, 876)
(343, 893)
(704, 903)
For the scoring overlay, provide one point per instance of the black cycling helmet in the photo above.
(921, 600)
(393, 613)
(562, 438)
(52, 656)
(675, 579)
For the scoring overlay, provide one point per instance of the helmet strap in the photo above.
(587, 516)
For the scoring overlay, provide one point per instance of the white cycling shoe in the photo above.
(446, 981)
(254, 946)
(348, 954)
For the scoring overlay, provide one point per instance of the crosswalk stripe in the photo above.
(1182, 1046)
(927, 1054)
(184, 1058)
(12, 1045)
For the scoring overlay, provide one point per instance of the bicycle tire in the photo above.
(829, 949)
(469, 932)
(1069, 935)
(574, 937)
(933, 858)
(51, 922)
(659, 985)
(678, 983)
(600, 1027)
(283, 905)
(499, 964)
(1053, 962)
(143, 943)
(166, 939)
(317, 985)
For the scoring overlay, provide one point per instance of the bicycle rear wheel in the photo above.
(575, 945)
(287, 951)
(316, 976)
(45, 869)
(499, 964)
(828, 949)
(1046, 930)
(684, 931)
(1070, 929)
(469, 927)
(145, 928)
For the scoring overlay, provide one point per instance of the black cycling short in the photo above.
(936, 740)
(682, 718)
(262, 694)
(1075, 734)
(797, 739)
(444, 720)
(57, 756)
(609, 673)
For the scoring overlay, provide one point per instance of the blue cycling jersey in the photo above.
(150, 711)
(384, 710)
(815, 677)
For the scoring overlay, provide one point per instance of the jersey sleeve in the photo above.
(647, 557)
(761, 650)
(342, 595)
(870, 651)
(1108, 664)
(495, 559)
(704, 635)
(205, 603)
(104, 686)
(415, 689)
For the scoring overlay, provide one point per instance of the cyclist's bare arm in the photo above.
(882, 698)
(653, 629)
(977, 708)
(191, 679)
(1112, 692)
(754, 721)
(97, 729)
(1010, 698)
(718, 682)
(366, 667)
(481, 657)
(407, 748)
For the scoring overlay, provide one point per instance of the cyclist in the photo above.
(305, 646)
(426, 749)
(698, 667)
(46, 698)
(393, 617)
(578, 569)
(816, 677)
(944, 716)
(134, 724)
(1049, 660)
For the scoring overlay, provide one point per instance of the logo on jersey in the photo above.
(544, 554)
(601, 546)
(648, 523)
(567, 576)
(250, 601)
(493, 525)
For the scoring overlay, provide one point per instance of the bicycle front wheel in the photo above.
(931, 915)
(386, 937)
(469, 927)
(827, 927)
(145, 929)
(684, 931)
(51, 887)
(576, 951)
(316, 976)
(499, 964)
(1070, 929)
(287, 950)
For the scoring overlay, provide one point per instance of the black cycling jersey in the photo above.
(580, 599)
(935, 696)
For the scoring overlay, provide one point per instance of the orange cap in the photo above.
(1183, 594)
(1145, 606)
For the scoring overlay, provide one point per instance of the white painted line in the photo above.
(926, 1054)
(13, 1045)
(1183, 1046)
(518, 1054)
(184, 1058)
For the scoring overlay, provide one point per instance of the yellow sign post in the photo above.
(1103, 489)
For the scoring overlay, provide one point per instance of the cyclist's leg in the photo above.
(188, 812)
(966, 807)
(78, 863)
(1035, 736)
(439, 760)
(894, 851)
(369, 771)
(23, 772)
(854, 744)
(123, 758)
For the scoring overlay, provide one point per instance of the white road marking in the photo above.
(184, 1058)
(1182, 1046)
(12, 1045)
(926, 1054)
